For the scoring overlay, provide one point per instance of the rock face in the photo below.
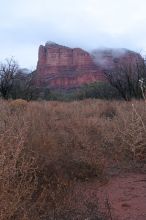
(61, 67)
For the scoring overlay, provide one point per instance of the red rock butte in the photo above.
(61, 67)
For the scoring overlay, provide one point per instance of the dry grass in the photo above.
(45, 147)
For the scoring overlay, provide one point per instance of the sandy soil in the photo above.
(123, 197)
(126, 197)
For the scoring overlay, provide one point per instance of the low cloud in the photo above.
(89, 24)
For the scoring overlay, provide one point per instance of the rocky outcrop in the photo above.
(61, 67)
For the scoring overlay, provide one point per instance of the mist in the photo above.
(89, 24)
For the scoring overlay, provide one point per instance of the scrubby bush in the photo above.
(47, 149)
(17, 105)
(98, 90)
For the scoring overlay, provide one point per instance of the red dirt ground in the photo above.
(127, 197)
(124, 195)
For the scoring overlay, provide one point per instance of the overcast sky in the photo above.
(90, 24)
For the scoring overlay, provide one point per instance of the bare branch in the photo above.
(8, 70)
(126, 76)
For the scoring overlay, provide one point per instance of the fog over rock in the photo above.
(108, 57)
(62, 67)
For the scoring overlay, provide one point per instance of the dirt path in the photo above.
(126, 197)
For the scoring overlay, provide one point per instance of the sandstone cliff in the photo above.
(61, 67)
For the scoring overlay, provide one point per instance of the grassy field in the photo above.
(48, 147)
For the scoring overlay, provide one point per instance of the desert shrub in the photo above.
(29, 188)
(98, 90)
(79, 170)
(133, 136)
(109, 112)
(18, 105)
(46, 148)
